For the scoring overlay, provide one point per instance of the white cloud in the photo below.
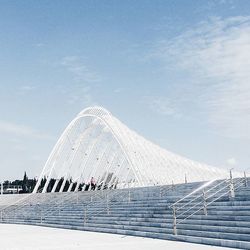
(79, 91)
(26, 89)
(118, 90)
(39, 44)
(82, 95)
(232, 161)
(79, 70)
(215, 55)
(161, 105)
(21, 130)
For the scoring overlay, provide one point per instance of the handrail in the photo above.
(202, 201)
(64, 197)
(19, 207)
(62, 200)
(217, 198)
(218, 191)
(87, 201)
(16, 202)
(24, 201)
(196, 191)
(120, 195)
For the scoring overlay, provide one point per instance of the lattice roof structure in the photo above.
(97, 146)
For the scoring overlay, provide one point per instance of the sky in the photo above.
(177, 72)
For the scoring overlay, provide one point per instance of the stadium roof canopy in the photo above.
(97, 145)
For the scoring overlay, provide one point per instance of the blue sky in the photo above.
(177, 72)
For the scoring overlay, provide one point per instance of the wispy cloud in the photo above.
(79, 70)
(39, 45)
(22, 131)
(231, 161)
(162, 105)
(215, 55)
(80, 88)
(118, 90)
(26, 89)
(81, 95)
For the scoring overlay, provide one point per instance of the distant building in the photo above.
(11, 189)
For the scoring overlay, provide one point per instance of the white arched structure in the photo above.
(97, 145)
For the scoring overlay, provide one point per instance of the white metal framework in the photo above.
(98, 146)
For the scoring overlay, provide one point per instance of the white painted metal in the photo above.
(95, 144)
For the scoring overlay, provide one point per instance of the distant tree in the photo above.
(6, 183)
(42, 183)
(31, 184)
(59, 184)
(25, 183)
(51, 184)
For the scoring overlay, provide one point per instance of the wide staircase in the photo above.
(216, 213)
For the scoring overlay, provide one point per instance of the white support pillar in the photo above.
(63, 185)
(231, 185)
(102, 160)
(204, 202)
(93, 173)
(116, 182)
(77, 150)
(98, 159)
(245, 179)
(83, 186)
(56, 150)
(46, 185)
(78, 183)
(88, 147)
(116, 174)
(108, 166)
(37, 185)
(55, 185)
(174, 221)
(70, 187)
(77, 186)
(90, 155)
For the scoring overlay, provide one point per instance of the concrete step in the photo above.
(183, 229)
(147, 214)
(191, 239)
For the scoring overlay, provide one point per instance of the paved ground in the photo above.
(22, 237)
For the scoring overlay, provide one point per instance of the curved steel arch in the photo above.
(47, 170)
(76, 153)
